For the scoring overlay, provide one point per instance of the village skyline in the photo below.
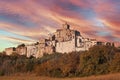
(64, 40)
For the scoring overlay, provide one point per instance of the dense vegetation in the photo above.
(98, 60)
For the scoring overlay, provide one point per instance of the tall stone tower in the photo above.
(66, 26)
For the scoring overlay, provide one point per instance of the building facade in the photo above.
(10, 50)
(63, 40)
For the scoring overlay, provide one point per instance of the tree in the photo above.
(115, 63)
(96, 60)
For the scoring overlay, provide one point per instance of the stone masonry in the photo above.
(63, 40)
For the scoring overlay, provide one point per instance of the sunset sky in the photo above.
(26, 21)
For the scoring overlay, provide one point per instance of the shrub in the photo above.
(115, 63)
(96, 60)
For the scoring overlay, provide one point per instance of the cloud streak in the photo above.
(33, 19)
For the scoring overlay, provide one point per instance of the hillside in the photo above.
(98, 60)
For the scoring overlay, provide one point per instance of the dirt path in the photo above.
(27, 77)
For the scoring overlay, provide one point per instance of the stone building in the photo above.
(32, 50)
(63, 40)
(45, 46)
(21, 49)
(10, 50)
(71, 40)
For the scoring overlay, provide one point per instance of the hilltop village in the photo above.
(63, 40)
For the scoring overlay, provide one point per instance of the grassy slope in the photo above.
(27, 77)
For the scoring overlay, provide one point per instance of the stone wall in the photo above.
(10, 50)
(32, 50)
(65, 47)
(21, 50)
(65, 34)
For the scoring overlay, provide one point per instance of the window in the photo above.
(80, 40)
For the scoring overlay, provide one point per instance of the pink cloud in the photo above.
(48, 16)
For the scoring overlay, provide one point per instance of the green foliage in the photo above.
(98, 60)
(19, 63)
(93, 62)
(2, 73)
(115, 63)
(62, 66)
